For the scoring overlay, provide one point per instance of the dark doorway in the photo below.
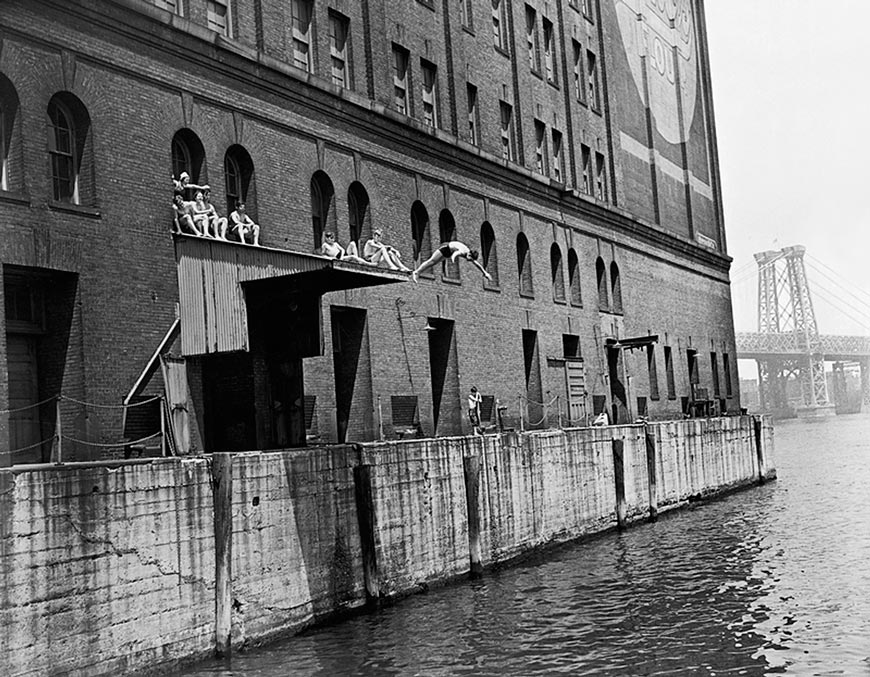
(352, 368)
(618, 398)
(444, 370)
(692, 365)
(228, 393)
(39, 309)
(534, 387)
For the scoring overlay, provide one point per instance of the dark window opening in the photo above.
(601, 278)
(489, 254)
(239, 180)
(557, 274)
(616, 287)
(653, 372)
(447, 233)
(359, 214)
(574, 278)
(524, 266)
(421, 242)
(322, 208)
(669, 374)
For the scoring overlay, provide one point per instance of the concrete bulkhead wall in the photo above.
(110, 568)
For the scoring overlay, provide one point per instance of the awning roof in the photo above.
(213, 276)
(631, 343)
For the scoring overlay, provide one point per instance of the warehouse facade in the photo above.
(571, 142)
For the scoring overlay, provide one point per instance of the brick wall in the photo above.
(140, 91)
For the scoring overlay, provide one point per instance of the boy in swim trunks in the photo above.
(451, 250)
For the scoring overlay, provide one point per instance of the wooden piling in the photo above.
(222, 481)
(471, 466)
(365, 513)
(758, 432)
(651, 465)
(619, 476)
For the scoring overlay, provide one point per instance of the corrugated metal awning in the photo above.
(213, 275)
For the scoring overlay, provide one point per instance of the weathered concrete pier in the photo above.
(117, 567)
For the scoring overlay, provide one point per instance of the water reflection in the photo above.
(768, 581)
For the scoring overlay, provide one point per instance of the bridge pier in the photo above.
(865, 380)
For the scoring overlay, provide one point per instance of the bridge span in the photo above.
(788, 347)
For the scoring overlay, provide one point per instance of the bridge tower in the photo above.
(785, 306)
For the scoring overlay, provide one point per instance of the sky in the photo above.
(791, 96)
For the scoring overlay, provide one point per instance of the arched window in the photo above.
(557, 273)
(601, 278)
(489, 253)
(574, 279)
(239, 180)
(421, 243)
(8, 117)
(615, 287)
(322, 207)
(447, 233)
(358, 213)
(188, 155)
(62, 149)
(524, 266)
(70, 150)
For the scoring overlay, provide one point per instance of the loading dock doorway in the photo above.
(444, 371)
(534, 386)
(618, 395)
(351, 361)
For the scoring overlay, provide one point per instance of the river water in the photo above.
(771, 580)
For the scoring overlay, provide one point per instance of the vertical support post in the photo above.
(619, 475)
(758, 434)
(559, 409)
(520, 408)
(651, 468)
(162, 427)
(365, 514)
(58, 432)
(628, 407)
(380, 420)
(222, 483)
(471, 467)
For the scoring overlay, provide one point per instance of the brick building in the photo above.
(571, 141)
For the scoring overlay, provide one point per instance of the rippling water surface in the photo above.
(772, 580)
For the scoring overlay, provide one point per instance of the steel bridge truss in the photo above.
(785, 313)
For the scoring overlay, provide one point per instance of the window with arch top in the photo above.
(524, 266)
(322, 207)
(489, 254)
(70, 150)
(557, 273)
(10, 170)
(615, 287)
(447, 233)
(601, 279)
(239, 180)
(420, 238)
(188, 155)
(574, 279)
(358, 212)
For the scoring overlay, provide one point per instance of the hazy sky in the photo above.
(791, 87)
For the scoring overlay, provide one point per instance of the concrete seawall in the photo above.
(111, 568)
